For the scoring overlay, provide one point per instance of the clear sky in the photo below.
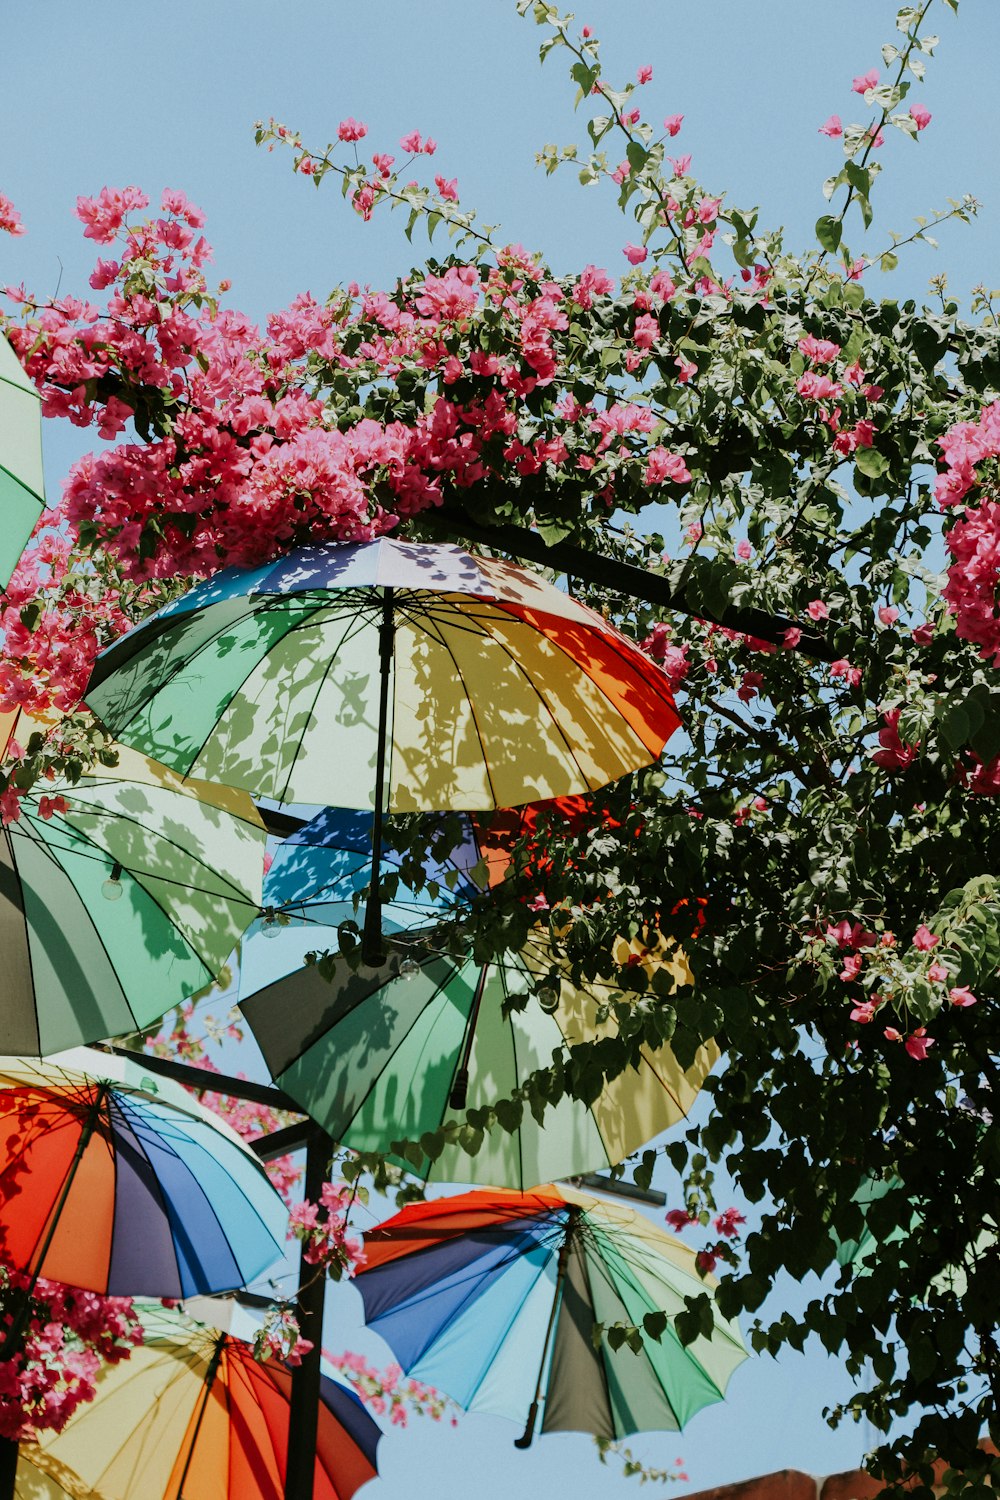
(162, 94)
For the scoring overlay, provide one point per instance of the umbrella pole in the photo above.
(9, 1449)
(371, 941)
(303, 1415)
(458, 1097)
(524, 1441)
(206, 1391)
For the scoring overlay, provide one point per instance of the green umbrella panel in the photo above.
(22, 490)
(118, 907)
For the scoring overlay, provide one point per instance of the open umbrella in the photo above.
(493, 1298)
(117, 907)
(22, 489)
(119, 1182)
(191, 1415)
(389, 675)
(385, 1054)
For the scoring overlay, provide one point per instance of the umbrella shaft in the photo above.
(371, 942)
(8, 1468)
(524, 1441)
(460, 1088)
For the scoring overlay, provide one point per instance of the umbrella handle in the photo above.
(372, 948)
(524, 1441)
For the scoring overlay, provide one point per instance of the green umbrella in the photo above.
(391, 1053)
(122, 904)
(22, 492)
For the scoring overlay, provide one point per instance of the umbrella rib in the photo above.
(185, 661)
(439, 636)
(499, 641)
(21, 484)
(41, 845)
(351, 624)
(617, 648)
(239, 897)
(27, 937)
(166, 1144)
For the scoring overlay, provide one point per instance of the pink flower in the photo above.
(961, 995)
(865, 81)
(818, 351)
(645, 74)
(864, 1012)
(706, 1261)
(924, 939)
(744, 550)
(895, 754)
(888, 614)
(852, 967)
(923, 635)
(685, 369)
(662, 465)
(635, 254)
(920, 115)
(10, 219)
(937, 973)
(918, 1043)
(843, 668)
(815, 387)
(749, 686)
(708, 210)
(351, 130)
(850, 935)
(679, 1218)
(727, 1223)
(791, 637)
(672, 124)
(817, 610)
(383, 163)
(447, 189)
(833, 127)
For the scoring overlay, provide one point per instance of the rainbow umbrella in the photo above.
(122, 904)
(191, 1415)
(493, 1298)
(379, 1055)
(117, 1181)
(22, 487)
(389, 675)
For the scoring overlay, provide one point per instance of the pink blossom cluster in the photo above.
(871, 961)
(967, 487)
(61, 1338)
(322, 1229)
(279, 1337)
(10, 219)
(387, 1393)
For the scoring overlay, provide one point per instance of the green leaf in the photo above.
(828, 232)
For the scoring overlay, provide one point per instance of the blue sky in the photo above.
(166, 95)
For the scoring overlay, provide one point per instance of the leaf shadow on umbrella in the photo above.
(183, 860)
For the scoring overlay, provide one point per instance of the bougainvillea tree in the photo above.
(785, 486)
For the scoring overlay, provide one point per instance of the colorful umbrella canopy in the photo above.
(115, 909)
(388, 1054)
(191, 1415)
(480, 684)
(22, 488)
(117, 1181)
(493, 1298)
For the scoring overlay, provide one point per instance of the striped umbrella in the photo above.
(117, 1181)
(493, 1298)
(385, 1054)
(118, 907)
(389, 675)
(191, 1415)
(22, 488)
